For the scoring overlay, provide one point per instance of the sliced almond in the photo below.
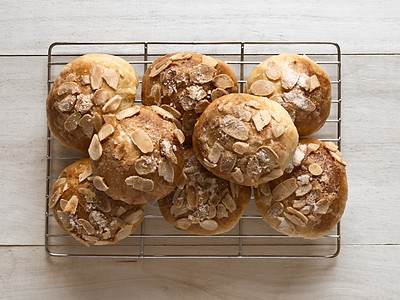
(253, 167)
(87, 226)
(273, 71)
(229, 202)
(179, 135)
(315, 169)
(265, 189)
(71, 123)
(66, 104)
(178, 211)
(127, 112)
(96, 79)
(275, 210)
(71, 205)
(112, 104)
(215, 153)
(277, 129)
(209, 61)
(295, 220)
(253, 104)
(89, 195)
(321, 207)
(297, 98)
(212, 212)
(120, 211)
(209, 224)
(106, 235)
(99, 183)
(261, 119)
(181, 55)
(85, 80)
(108, 117)
(235, 128)
(227, 161)
(55, 197)
(142, 140)
(100, 97)
(124, 232)
(63, 203)
(104, 205)
(140, 183)
(223, 81)
(304, 81)
(166, 170)
(173, 111)
(221, 211)
(83, 103)
(177, 198)
(145, 165)
(97, 121)
(201, 73)
(182, 181)
(289, 78)
(331, 146)
(284, 189)
(134, 217)
(262, 88)
(95, 150)
(314, 83)
(303, 190)
(192, 197)
(155, 94)
(299, 203)
(201, 106)
(338, 158)
(196, 92)
(209, 164)
(86, 122)
(267, 157)
(105, 132)
(159, 67)
(313, 147)
(71, 88)
(237, 175)
(111, 77)
(218, 92)
(298, 214)
(183, 223)
(85, 174)
(162, 112)
(97, 218)
(240, 147)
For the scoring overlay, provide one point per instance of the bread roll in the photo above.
(310, 198)
(87, 91)
(202, 203)
(185, 83)
(297, 83)
(137, 155)
(87, 214)
(245, 139)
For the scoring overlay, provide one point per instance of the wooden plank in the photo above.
(359, 272)
(370, 145)
(359, 26)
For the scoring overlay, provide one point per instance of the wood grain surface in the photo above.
(368, 266)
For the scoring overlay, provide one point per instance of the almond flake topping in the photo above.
(96, 79)
(315, 169)
(112, 104)
(87, 226)
(215, 153)
(229, 202)
(179, 135)
(181, 55)
(209, 61)
(277, 129)
(86, 122)
(221, 211)
(314, 83)
(71, 205)
(127, 112)
(201, 73)
(240, 147)
(237, 175)
(284, 189)
(262, 88)
(71, 123)
(261, 119)
(289, 78)
(145, 165)
(111, 76)
(223, 81)
(105, 132)
(68, 87)
(85, 174)
(201, 106)
(273, 71)
(159, 67)
(134, 217)
(95, 150)
(321, 207)
(140, 183)
(303, 190)
(173, 111)
(142, 140)
(99, 183)
(218, 92)
(182, 223)
(124, 232)
(209, 224)
(235, 128)
(155, 94)
(227, 161)
(313, 146)
(297, 98)
(331, 146)
(166, 170)
(338, 158)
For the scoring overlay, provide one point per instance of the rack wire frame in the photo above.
(140, 234)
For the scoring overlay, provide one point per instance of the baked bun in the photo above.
(87, 91)
(297, 83)
(88, 214)
(185, 83)
(202, 203)
(310, 198)
(245, 139)
(137, 155)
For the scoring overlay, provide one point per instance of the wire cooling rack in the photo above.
(155, 238)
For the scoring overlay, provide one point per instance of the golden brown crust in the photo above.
(88, 214)
(245, 139)
(297, 83)
(79, 99)
(310, 198)
(202, 203)
(187, 82)
(137, 155)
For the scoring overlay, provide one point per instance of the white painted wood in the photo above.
(360, 272)
(29, 27)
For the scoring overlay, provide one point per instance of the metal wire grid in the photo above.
(141, 238)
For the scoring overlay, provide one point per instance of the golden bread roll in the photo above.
(297, 83)
(88, 91)
(87, 214)
(245, 139)
(310, 198)
(202, 203)
(185, 83)
(137, 155)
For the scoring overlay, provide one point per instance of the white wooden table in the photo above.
(369, 264)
